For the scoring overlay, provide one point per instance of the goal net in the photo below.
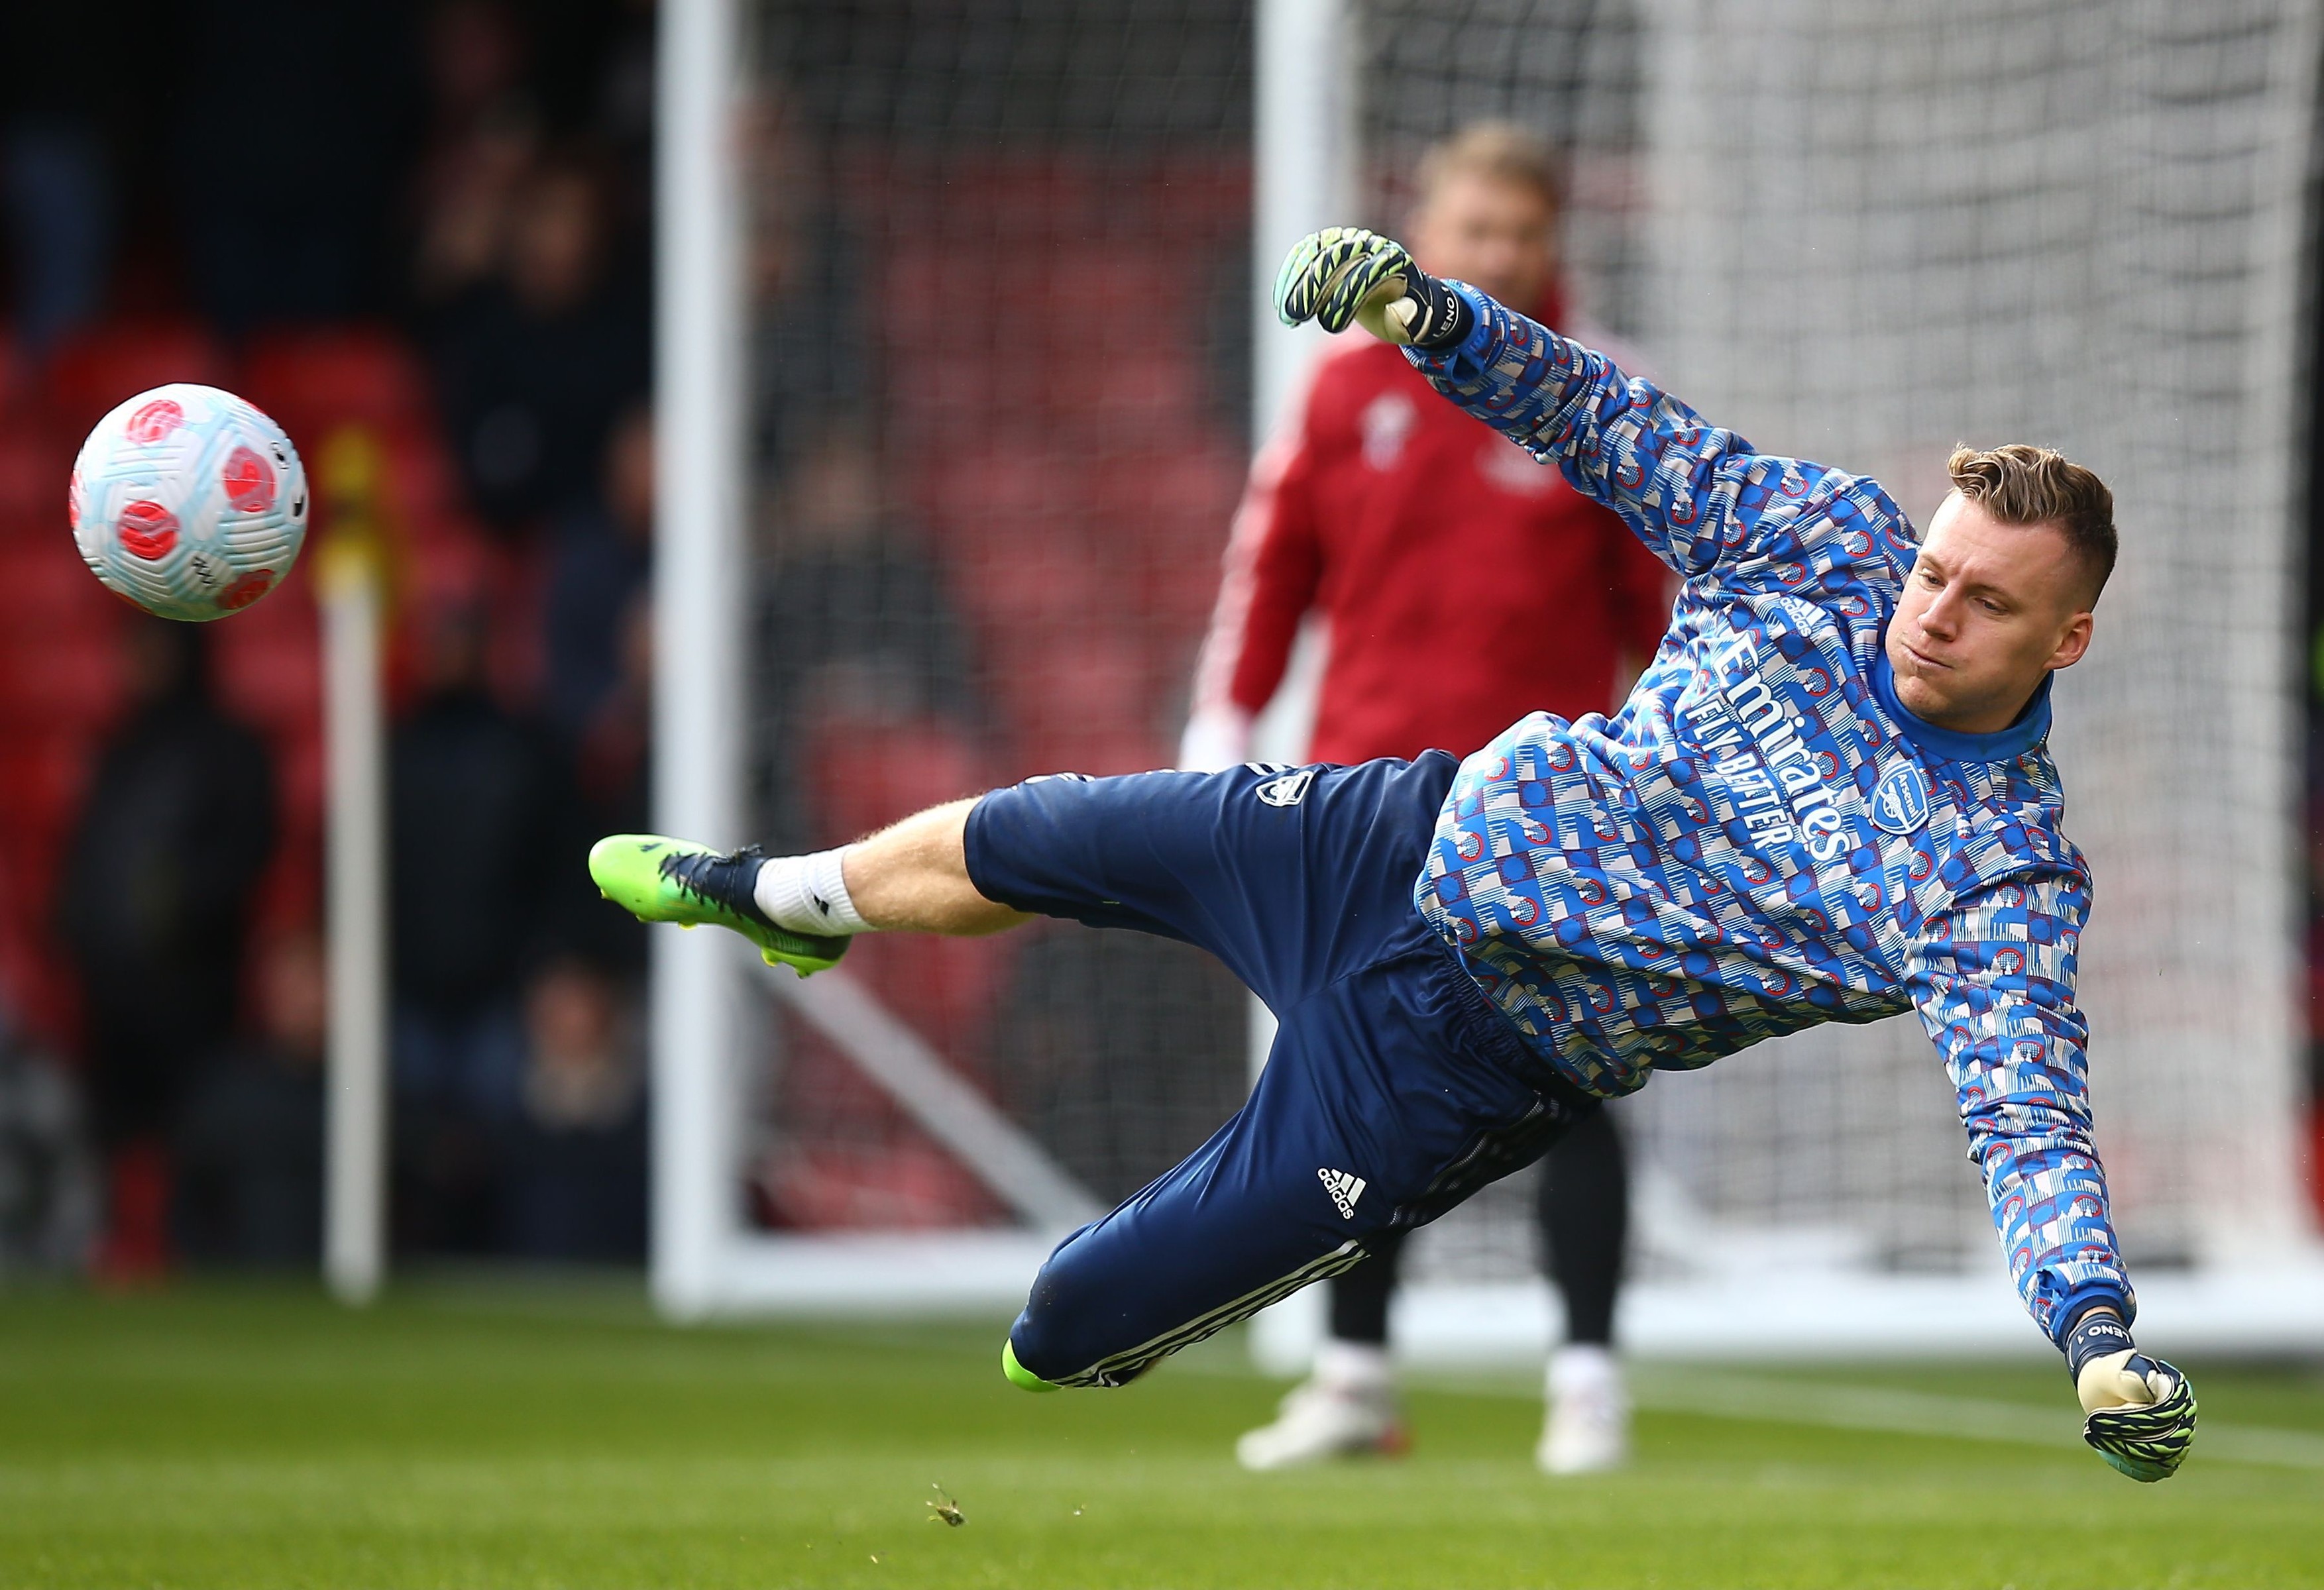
(1861, 232)
(996, 260)
(998, 277)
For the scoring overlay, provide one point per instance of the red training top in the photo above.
(1466, 584)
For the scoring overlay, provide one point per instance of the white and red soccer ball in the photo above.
(189, 502)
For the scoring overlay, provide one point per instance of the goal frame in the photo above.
(705, 1260)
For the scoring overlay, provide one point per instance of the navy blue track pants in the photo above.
(1394, 1089)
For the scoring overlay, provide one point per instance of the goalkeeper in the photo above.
(1827, 799)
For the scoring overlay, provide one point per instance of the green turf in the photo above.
(481, 1435)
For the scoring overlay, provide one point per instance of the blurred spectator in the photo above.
(464, 224)
(289, 153)
(155, 891)
(254, 161)
(600, 685)
(855, 625)
(599, 561)
(47, 1178)
(481, 826)
(576, 1177)
(611, 764)
(475, 58)
(59, 193)
(625, 99)
(482, 137)
(249, 1146)
(809, 340)
(534, 365)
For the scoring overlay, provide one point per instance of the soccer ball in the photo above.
(189, 502)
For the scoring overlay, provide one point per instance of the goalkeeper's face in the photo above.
(1990, 611)
(1499, 236)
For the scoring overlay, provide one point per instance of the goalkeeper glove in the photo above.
(1344, 275)
(2139, 1412)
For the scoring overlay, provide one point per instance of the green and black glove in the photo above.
(2138, 1412)
(1344, 275)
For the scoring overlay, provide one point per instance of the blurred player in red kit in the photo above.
(1354, 512)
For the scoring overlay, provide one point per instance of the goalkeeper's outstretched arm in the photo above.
(1994, 980)
(1697, 495)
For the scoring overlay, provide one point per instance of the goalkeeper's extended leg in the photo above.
(801, 910)
(1382, 1104)
(1394, 1088)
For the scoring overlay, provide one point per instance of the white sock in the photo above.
(1359, 1368)
(809, 894)
(1582, 1368)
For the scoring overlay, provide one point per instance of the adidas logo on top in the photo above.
(1344, 1190)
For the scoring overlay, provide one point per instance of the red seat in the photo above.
(42, 774)
(906, 1183)
(1174, 505)
(273, 678)
(862, 776)
(70, 678)
(1202, 200)
(29, 984)
(97, 369)
(35, 468)
(1080, 703)
(425, 493)
(60, 660)
(2316, 1155)
(866, 775)
(50, 591)
(312, 379)
(38, 986)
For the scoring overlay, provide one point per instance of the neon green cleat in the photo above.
(658, 879)
(1019, 1375)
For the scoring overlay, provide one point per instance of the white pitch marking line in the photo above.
(1845, 1407)
(1865, 1407)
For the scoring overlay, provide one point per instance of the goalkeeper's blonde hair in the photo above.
(1504, 151)
(2022, 484)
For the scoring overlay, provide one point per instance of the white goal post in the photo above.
(705, 1261)
(698, 684)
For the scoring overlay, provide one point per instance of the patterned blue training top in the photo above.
(1763, 838)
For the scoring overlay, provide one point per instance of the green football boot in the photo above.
(658, 879)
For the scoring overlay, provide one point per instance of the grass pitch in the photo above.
(499, 1435)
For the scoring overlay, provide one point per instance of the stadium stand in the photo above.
(60, 686)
